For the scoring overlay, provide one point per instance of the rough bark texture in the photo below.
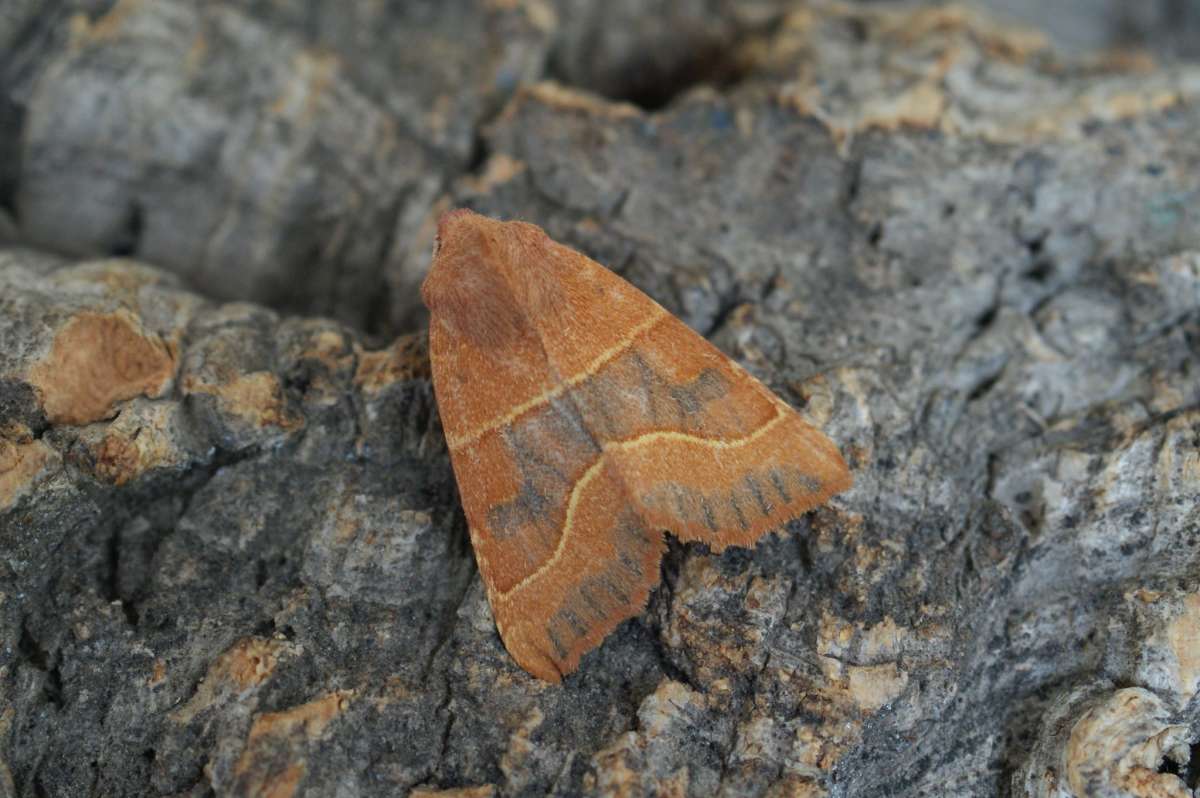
(232, 559)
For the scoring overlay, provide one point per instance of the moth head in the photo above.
(484, 280)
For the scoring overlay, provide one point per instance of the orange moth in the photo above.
(583, 420)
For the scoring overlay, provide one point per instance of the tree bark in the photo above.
(232, 556)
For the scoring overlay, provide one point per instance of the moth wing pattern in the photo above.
(583, 421)
(706, 451)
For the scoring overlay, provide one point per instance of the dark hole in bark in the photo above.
(126, 243)
(657, 69)
(10, 152)
(875, 235)
(1188, 772)
(1040, 271)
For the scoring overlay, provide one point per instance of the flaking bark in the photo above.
(240, 564)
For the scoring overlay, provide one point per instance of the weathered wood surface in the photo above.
(232, 559)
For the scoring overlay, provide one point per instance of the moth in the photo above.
(584, 420)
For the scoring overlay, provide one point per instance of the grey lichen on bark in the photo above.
(232, 557)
